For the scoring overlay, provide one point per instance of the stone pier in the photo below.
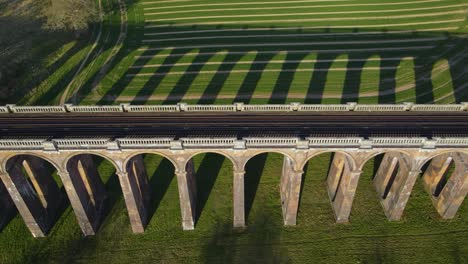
(447, 188)
(342, 182)
(34, 192)
(394, 181)
(137, 193)
(290, 189)
(187, 195)
(86, 192)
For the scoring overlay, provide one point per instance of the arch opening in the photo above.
(445, 179)
(437, 172)
(212, 177)
(97, 187)
(150, 176)
(41, 197)
(264, 172)
(322, 178)
(392, 177)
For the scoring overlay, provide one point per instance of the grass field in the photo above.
(277, 51)
(259, 51)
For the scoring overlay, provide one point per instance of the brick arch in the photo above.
(349, 157)
(373, 155)
(233, 161)
(439, 153)
(259, 152)
(7, 159)
(110, 159)
(37, 195)
(135, 154)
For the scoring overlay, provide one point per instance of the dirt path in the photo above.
(63, 98)
(117, 46)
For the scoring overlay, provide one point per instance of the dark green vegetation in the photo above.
(41, 45)
(272, 52)
(421, 237)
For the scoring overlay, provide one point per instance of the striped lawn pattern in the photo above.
(275, 51)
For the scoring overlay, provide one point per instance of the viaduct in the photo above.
(413, 139)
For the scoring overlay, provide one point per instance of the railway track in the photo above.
(221, 123)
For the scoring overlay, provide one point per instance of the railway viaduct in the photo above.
(415, 141)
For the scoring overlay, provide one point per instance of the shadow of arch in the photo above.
(38, 190)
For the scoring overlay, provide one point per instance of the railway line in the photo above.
(221, 123)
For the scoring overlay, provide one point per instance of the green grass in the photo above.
(173, 52)
(225, 73)
(420, 237)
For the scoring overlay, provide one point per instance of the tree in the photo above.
(73, 15)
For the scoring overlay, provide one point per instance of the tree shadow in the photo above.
(236, 41)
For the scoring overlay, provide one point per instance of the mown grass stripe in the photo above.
(331, 35)
(329, 19)
(243, 3)
(316, 43)
(282, 7)
(147, 26)
(307, 13)
(258, 71)
(257, 62)
(411, 48)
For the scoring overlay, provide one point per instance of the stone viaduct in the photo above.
(26, 185)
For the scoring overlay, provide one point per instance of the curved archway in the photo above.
(145, 184)
(96, 187)
(392, 176)
(264, 172)
(334, 171)
(38, 191)
(211, 174)
(445, 179)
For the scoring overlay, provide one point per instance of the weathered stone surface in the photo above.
(85, 191)
(34, 192)
(449, 197)
(136, 191)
